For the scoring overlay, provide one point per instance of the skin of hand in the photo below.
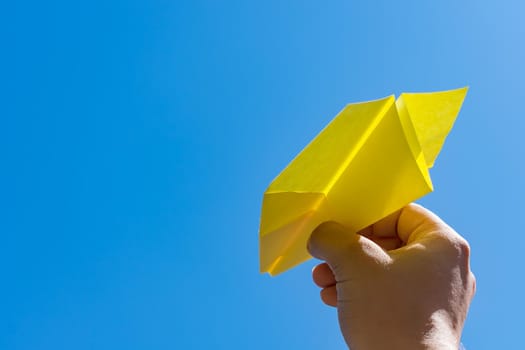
(402, 283)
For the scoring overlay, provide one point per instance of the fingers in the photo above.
(343, 250)
(329, 296)
(384, 232)
(330, 241)
(415, 223)
(323, 276)
(333, 243)
(405, 225)
(382, 239)
(386, 227)
(387, 243)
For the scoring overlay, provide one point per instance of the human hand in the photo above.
(402, 283)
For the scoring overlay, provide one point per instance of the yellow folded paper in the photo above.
(371, 160)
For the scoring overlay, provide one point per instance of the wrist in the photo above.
(438, 333)
(443, 333)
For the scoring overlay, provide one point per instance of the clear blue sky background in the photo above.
(137, 138)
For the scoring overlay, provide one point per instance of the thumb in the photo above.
(345, 251)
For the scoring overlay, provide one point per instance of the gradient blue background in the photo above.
(137, 138)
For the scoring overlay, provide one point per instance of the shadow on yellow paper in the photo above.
(371, 160)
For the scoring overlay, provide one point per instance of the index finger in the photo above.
(416, 222)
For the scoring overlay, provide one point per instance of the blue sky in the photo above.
(137, 138)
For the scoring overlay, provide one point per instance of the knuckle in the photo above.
(463, 247)
(456, 247)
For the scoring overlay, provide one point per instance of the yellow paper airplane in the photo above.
(371, 160)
